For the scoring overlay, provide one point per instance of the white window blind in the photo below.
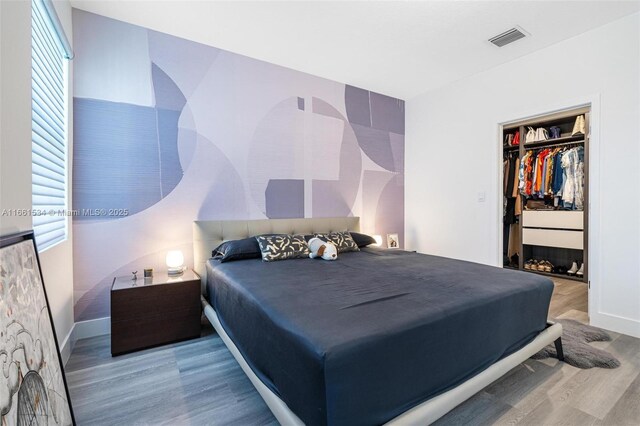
(48, 129)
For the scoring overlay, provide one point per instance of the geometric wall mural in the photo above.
(168, 131)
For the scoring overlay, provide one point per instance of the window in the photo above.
(48, 126)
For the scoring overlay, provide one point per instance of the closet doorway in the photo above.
(545, 181)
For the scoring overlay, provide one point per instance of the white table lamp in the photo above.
(175, 260)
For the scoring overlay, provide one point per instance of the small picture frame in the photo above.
(393, 242)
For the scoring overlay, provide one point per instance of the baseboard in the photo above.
(615, 323)
(83, 330)
(91, 328)
(67, 346)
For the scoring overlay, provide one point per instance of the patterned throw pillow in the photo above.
(342, 240)
(281, 247)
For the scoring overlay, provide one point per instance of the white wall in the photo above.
(453, 154)
(15, 113)
(15, 156)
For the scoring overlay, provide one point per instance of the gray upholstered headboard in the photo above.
(209, 234)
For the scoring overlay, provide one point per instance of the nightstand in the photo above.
(154, 311)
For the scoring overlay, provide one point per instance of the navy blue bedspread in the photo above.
(360, 340)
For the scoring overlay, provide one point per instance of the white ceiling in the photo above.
(397, 48)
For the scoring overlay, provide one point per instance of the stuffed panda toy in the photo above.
(323, 249)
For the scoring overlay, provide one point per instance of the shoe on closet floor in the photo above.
(580, 272)
(545, 266)
(573, 270)
(562, 270)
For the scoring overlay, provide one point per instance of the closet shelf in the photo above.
(510, 148)
(552, 142)
(551, 274)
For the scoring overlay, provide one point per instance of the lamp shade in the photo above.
(175, 259)
(378, 239)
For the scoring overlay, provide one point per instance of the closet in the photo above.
(545, 182)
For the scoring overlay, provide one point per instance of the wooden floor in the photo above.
(569, 298)
(199, 383)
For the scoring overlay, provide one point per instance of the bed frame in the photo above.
(207, 235)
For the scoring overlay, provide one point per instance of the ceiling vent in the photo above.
(508, 36)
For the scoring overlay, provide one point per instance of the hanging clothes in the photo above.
(540, 171)
(512, 207)
(526, 174)
(511, 182)
(515, 193)
(510, 177)
(549, 176)
(514, 240)
(516, 180)
(556, 186)
(573, 190)
(505, 173)
(555, 175)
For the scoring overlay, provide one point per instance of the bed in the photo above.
(379, 336)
